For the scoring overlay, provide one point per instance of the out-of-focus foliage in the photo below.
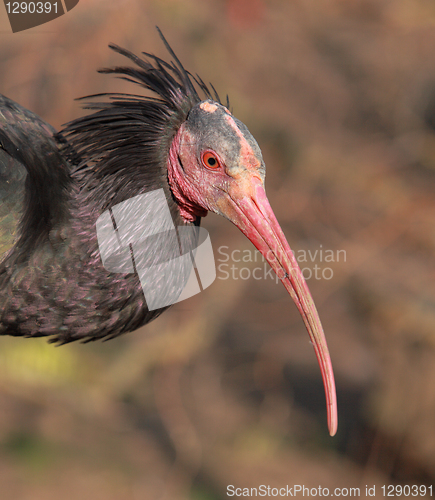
(224, 388)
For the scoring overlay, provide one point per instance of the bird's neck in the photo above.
(180, 188)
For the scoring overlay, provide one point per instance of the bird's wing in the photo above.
(12, 180)
(17, 126)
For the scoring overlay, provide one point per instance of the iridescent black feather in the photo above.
(128, 129)
(52, 281)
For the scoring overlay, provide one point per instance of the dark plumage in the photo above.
(55, 186)
(52, 280)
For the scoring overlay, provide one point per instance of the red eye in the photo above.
(210, 160)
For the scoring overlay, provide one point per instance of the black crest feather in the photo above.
(129, 131)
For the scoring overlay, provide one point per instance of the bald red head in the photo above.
(215, 164)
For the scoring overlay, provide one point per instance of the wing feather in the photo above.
(12, 181)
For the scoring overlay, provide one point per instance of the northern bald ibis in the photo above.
(55, 186)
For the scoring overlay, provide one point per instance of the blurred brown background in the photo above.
(225, 388)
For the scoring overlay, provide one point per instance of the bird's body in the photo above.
(54, 187)
(52, 280)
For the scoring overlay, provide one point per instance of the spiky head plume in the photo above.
(126, 140)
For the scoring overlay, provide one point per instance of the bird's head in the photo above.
(216, 165)
(212, 163)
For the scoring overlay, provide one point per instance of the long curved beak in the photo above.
(252, 214)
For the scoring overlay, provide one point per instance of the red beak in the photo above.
(253, 215)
